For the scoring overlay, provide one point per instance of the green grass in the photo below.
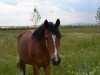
(80, 53)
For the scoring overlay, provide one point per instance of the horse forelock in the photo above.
(54, 30)
(40, 31)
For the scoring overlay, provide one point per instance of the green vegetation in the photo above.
(79, 50)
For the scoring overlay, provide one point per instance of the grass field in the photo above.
(80, 53)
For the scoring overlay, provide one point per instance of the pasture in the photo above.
(80, 53)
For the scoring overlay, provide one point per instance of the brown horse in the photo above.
(39, 47)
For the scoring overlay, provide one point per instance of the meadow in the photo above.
(79, 50)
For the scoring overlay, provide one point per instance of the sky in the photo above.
(19, 12)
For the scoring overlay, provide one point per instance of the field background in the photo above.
(79, 50)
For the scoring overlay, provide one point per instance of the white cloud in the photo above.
(52, 12)
(16, 14)
(20, 13)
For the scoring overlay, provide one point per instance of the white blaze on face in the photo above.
(55, 52)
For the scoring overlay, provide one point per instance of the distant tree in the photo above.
(35, 16)
(98, 17)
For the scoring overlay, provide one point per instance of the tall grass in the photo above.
(80, 53)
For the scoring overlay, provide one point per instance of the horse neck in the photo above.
(43, 44)
(42, 47)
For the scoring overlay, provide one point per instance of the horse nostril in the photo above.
(56, 62)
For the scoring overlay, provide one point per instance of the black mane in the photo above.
(40, 31)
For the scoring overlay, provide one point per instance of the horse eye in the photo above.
(46, 38)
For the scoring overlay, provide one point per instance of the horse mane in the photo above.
(40, 31)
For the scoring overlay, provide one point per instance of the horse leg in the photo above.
(47, 70)
(22, 67)
(36, 70)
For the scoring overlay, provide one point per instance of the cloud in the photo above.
(18, 12)
(10, 2)
(67, 13)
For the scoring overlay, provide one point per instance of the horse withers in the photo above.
(40, 47)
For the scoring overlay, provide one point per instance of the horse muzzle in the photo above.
(56, 62)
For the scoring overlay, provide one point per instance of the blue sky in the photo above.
(18, 12)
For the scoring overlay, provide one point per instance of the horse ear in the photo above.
(46, 24)
(57, 23)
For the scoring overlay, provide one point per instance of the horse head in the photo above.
(52, 40)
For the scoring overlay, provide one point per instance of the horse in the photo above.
(39, 48)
